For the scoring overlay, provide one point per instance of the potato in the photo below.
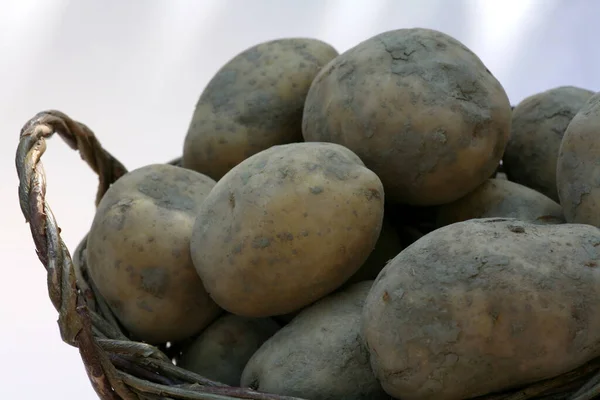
(578, 168)
(255, 101)
(387, 247)
(221, 352)
(501, 198)
(501, 175)
(538, 125)
(286, 227)
(320, 355)
(419, 108)
(139, 257)
(482, 306)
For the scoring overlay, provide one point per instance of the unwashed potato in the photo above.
(223, 349)
(320, 355)
(255, 101)
(419, 108)
(485, 305)
(501, 175)
(286, 227)
(501, 198)
(138, 253)
(538, 125)
(578, 166)
(387, 247)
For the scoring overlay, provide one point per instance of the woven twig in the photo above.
(118, 368)
(121, 369)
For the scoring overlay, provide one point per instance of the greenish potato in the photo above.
(419, 108)
(538, 126)
(222, 350)
(483, 306)
(255, 101)
(320, 354)
(501, 198)
(138, 253)
(578, 166)
(286, 227)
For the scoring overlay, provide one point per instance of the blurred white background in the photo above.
(133, 70)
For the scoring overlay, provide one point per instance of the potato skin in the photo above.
(504, 199)
(419, 108)
(387, 247)
(255, 101)
(577, 170)
(320, 355)
(484, 305)
(286, 227)
(139, 256)
(538, 125)
(223, 349)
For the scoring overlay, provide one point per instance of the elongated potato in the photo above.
(501, 198)
(485, 305)
(286, 227)
(578, 166)
(538, 125)
(320, 355)
(255, 101)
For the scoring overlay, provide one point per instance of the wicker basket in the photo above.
(117, 367)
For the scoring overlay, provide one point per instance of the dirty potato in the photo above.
(538, 125)
(419, 108)
(578, 168)
(138, 253)
(501, 198)
(286, 227)
(320, 355)
(485, 305)
(222, 350)
(388, 245)
(255, 101)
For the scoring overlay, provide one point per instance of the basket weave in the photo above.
(117, 367)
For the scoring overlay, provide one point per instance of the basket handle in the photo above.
(74, 319)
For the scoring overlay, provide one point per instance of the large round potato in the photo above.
(419, 108)
(320, 355)
(578, 166)
(286, 227)
(538, 125)
(255, 101)
(138, 253)
(223, 349)
(501, 198)
(483, 306)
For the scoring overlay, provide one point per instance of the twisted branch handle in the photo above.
(118, 369)
(74, 320)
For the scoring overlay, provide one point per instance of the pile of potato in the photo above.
(338, 227)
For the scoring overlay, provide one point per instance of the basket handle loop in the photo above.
(74, 319)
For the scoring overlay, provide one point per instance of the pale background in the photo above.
(132, 70)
